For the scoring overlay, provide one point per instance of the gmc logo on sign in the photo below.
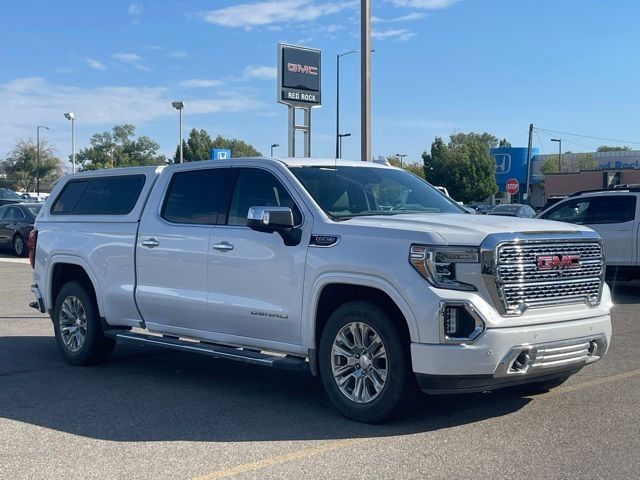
(556, 262)
(306, 69)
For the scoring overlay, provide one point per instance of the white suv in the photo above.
(614, 214)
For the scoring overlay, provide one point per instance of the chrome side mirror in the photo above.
(270, 219)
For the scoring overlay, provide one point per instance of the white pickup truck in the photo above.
(361, 273)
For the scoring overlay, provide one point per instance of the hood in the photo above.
(463, 229)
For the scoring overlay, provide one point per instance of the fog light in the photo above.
(459, 322)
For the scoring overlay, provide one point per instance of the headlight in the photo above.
(438, 264)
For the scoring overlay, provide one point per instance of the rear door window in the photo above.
(572, 211)
(193, 197)
(612, 209)
(99, 196)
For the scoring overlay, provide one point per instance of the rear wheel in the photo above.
(364, 364)
(78, 328)
(19, 246)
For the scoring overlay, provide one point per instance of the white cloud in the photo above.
(36, 101)
(93, 63)
(399, 34)
(200, 83)
(263, 72)
(135, 9)
(404, 18)
(177, 54)
(425, 4)
(132, 59)
(264, 13)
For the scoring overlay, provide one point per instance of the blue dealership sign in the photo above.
(511, 162)
(220, 154)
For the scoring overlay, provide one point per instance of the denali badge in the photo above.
(556, 262)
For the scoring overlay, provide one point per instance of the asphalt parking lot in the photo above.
(150, 413)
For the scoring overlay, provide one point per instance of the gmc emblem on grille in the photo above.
(557, 262)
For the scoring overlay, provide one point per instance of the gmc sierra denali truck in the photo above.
(363, 274)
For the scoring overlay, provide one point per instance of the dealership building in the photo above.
(612, 168)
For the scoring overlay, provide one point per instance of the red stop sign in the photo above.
(513, 186)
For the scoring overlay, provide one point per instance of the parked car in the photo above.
(33, 196)
(9, 196)
(513, 210)
(16, 222)
(482, 209)
(615, 215)
(360, 273)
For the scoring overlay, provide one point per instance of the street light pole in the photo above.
(559, 140)
(365, 79)
(338, 57)
(401, 156)
(72, 117)
(274, 146)
(340, 137)
(38, 158)
(179, 105)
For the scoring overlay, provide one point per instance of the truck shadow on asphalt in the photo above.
(150, 394)
(625, 292)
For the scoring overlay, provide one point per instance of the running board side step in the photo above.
(217, 351)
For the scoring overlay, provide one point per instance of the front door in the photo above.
(172, 251)
(256, 281)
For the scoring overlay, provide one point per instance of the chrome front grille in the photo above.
(516, 282)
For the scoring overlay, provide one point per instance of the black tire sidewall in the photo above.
(24, 246)
(94, 340)
(393, 395)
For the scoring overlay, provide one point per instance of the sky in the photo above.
(439, 67)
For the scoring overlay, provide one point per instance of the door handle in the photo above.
(224, 246)
(150, 243)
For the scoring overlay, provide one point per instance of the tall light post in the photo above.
(401, 156)
(340, 137)
(38, 157)
(179, 105)
(72, 117)
(338, 57)
(275, 145)
(365, 80)
(559, 140)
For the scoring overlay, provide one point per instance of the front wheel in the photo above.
(77, 326)
(364, 364)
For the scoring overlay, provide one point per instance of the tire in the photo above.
(19, 246)
(369, 402)
(75, 316)
(535, 388)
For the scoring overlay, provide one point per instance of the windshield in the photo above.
(346, 192)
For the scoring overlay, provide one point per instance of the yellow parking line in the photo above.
(279, 459)
(339, 444)
(592, 383)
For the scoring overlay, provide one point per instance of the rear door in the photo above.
(4, 230)
(612, 216)
(172, 250)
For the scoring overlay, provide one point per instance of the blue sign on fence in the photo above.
(220, 154)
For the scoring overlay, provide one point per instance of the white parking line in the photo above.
(14, 260)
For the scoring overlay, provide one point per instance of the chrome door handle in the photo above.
(224, 246)
(150, 243)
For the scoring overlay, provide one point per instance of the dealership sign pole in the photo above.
(299, 87)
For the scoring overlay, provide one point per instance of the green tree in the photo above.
(239, 148)
(550, 165)
(197, 147)
(504, 143)
(585, 161)
(413, 167)
(608, 148)
(463, 165)
(199, 144)
(119, 148)
(21, 165)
